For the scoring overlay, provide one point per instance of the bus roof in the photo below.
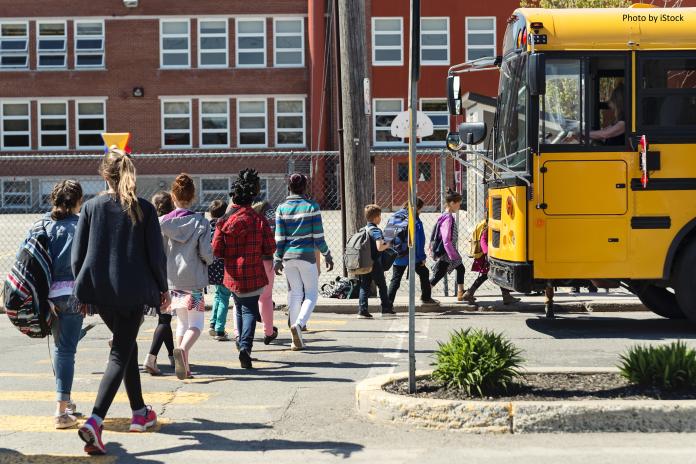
(640, 27)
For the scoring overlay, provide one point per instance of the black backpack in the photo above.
(437, 246)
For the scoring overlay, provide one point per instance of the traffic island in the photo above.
(568, 409)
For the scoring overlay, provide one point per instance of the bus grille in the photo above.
(497, 208)
(495, 239)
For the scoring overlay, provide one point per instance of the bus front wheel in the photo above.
(684, 279)
(660, 301)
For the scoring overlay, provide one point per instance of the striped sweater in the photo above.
(299, 231)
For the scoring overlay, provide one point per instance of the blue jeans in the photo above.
(377, 275)
(221, 303)
(66, 333)
(247, 315)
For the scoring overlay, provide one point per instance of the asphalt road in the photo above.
(298, 407)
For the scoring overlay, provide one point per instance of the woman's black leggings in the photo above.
(441, 271)
(124, 323)
(163, 334)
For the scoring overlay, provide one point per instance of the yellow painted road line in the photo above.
(45, 424)
(150, 397)
(14, 457)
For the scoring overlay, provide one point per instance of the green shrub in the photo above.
(479, 362)
(668, 367)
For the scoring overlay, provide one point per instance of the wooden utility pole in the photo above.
(356, 141)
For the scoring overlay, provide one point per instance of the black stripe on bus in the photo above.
(651, 222)
(673, 183)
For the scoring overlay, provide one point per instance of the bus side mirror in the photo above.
(472, 133)
(536, 74)
(454, 95)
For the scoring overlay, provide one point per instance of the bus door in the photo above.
(582, 167)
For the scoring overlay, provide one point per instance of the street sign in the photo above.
(401, 125)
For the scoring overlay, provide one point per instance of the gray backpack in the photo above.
(358, 255)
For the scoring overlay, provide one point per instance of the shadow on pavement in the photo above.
(613, 327)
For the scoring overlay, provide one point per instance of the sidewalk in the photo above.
(616, 301)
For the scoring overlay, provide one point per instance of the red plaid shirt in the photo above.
(241, 241)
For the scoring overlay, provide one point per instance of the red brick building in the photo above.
(215, 77)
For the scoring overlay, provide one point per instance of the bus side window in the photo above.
(562, 118)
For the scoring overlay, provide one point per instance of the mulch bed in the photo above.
(549, 387)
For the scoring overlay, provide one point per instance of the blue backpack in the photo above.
(396, 232)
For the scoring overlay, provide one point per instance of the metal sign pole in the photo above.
(413, 191)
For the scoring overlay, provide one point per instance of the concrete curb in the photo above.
(523, 416)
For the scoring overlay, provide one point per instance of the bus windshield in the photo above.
(510, 147)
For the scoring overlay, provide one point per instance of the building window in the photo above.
(91, 123)
(480, 37)
(89, 44)
(251, 123)
(16, 194)
(384, 113)
(214, 123)
(387, 41)
(14, 45)
(425, 172)
(174, 43)
(214, 189)
(402, 172)
(251, 43)
(176, 124)
(50, 44)
(438, 113)
(53, 125)
(212, 43)
(435, 41)
(289, 43)
(290, 122)
(16, 127)
(90, 188)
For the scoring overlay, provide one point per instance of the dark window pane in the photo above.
(385, 136)
(9, 45)
(669, 73)
(214, 123)
(16, 141)
(214, 139)
(54, 141)
(253, 138)
(90, 60)
(15, 125)
(90, 44)
(176, 139)
(402, 170)
(14, 61)
(52, 44)
(669, 111)
(52, 60)
(384, 121)
(90, 140)
(289, 138)
(91, 124)
(176, 123)
(250, 42)
(53, 125)
(424, 171)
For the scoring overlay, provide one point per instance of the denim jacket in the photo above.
(61, 234)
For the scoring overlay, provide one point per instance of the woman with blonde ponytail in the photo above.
(120, 268)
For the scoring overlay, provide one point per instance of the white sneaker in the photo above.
(297, 342)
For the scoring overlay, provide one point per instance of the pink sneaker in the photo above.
(142, 423)
(91, 433)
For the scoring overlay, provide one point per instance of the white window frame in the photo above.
(92, 52)
(277, 34)
(201, 52)
(41, 117)
(91, 116)
(304, 121)
(444, 112)
(203, 193)
(375, 113)
(176, 131)
(435, 47)
(375, 33)
(24, 52)
(239, 35)
(486, 32)
(264, 130)
(202, 131)
(187, 36)
(16, 118)
(64, 52)
(15, 206)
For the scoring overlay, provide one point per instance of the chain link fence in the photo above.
(26, 182)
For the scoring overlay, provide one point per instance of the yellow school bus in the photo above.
(593, 153)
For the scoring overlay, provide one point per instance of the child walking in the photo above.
(266, 300)
(482, 266)
(60, 225)
(443, 244)
(186, 237)
(216, 273)
(373, 215)
(163, 332)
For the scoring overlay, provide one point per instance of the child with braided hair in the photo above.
(242, 237)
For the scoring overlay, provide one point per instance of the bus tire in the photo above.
(684, 280)
(660, 301)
